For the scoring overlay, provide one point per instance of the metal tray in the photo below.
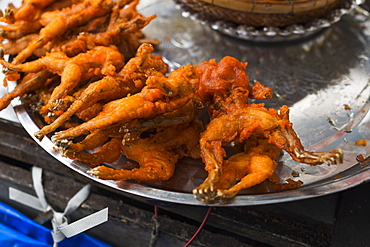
(316, 77)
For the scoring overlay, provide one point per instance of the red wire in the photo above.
(156, 212)
(200, 227)
(155, 230)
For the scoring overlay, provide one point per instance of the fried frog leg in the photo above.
(235, 120)
(156, 155)
(123, 22)
(7, 15)
(20, 29)
(108, 153)
(249, 168)
(30, 9)
(28, 84)
(101, 60)
(255, 121)
(25, 19)
(129, 132)
(287, 139)
(133, 129)
(129, 80)
(160, 95)
(13, 47)
(69, 19)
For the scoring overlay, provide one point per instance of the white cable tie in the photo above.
(77, 199)
(61, 228)
(39, 202)
(38, 187)
(26, 199)
(59, 220)
(85, 223)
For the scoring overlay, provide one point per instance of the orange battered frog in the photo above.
(264, 132)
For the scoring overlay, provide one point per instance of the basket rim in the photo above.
(272, 6)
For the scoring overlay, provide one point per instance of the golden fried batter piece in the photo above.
(7, 15)
(97, 62)
(123, 23)
(88, 113)
(29, 83)
(160, 95)
(71, 17)
(162, 151)
(107, 153)
(253, 166)
(27, 18)
(31, 9)
(13, 47)
(114, 35)
(92, 141)
(131, 79)
(128, 132)
(133, 129)
(234, 120)
(20, 29)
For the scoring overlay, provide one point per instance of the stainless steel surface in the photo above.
(316, 77)
(8, 113)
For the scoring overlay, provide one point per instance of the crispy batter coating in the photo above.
(29, 83)
(105, 91)
(264, 132)
(130, 80)
(160, 95)
(123, 25)
(184, 115)
(30, 9)
(90, 142)
(71, 17)
(79, 26)
(162, 151)
(97, 62)
(233, 119)
(20, 29)
(246, 169)
(107, 153)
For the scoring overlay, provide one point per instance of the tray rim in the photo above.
(319, 188)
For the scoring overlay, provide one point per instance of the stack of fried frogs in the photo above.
(102, 93)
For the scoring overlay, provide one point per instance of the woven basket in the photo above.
(263, 13)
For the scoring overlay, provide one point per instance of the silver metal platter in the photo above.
(324, 79)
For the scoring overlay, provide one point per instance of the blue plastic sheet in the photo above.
(16, 230)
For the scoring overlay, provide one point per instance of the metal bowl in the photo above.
(274, 26)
